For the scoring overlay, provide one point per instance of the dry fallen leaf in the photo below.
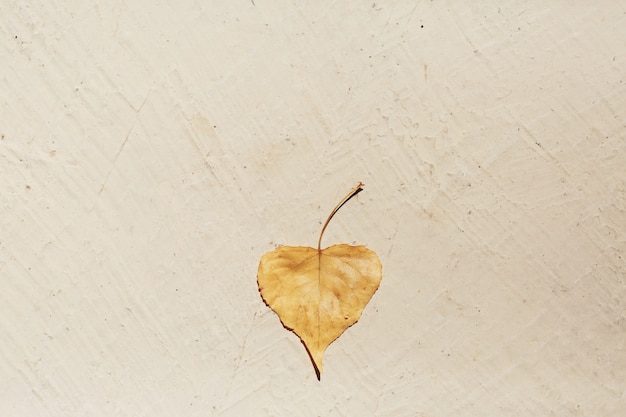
(319, 293)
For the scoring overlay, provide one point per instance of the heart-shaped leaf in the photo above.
(319, 293)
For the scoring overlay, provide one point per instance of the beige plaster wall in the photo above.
(151, 152)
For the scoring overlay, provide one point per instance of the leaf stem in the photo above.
(351, 194)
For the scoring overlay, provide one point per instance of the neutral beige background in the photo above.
(151, 152)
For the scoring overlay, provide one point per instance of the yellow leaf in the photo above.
(319, 293)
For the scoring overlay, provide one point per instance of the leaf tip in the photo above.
(316, 357)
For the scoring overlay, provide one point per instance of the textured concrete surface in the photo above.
(151, 152)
